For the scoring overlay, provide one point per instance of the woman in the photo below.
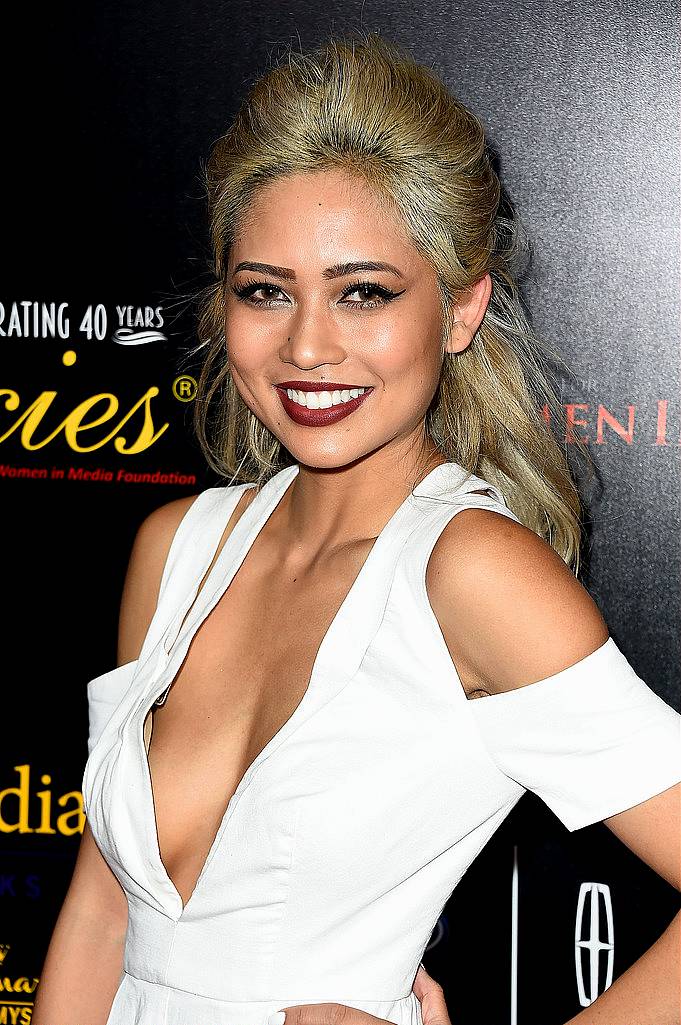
(376, 641)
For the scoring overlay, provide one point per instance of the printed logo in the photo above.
(594, 939)
(135, 325)
(15, 1008)
(20, 886)
(20, 808)
(125, 336)
(438, 934)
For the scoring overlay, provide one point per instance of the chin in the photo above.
(316, 460)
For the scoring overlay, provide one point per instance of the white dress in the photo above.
(348, 833)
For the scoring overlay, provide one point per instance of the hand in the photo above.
(432, 999)
(427, 990)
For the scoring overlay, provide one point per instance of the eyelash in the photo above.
(244, 293)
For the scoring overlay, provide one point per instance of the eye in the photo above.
(246, 293)
(386, 295)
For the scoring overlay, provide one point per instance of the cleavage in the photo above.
(236, 688)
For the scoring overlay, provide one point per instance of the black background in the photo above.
(109, 113)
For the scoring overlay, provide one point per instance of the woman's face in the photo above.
(305, 317)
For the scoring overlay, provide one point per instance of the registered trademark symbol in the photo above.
(184, 388)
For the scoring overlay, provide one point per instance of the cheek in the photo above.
(246, 334)
(407, 355)
(245, 350)
(245, 373)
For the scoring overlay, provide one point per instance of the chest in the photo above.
(245, 672)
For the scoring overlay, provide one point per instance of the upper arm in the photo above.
(90, 929)
(510, 609)
(94, 892)
(567, 716)
(652, 830)
(143, 576)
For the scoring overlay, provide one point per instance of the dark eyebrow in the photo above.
(338, 270)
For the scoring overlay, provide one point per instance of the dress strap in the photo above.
(191, 552)
(448, 504)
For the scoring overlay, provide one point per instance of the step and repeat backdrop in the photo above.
(111, 110)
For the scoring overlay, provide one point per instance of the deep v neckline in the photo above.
(336, 661)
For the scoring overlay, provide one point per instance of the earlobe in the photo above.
(460, 338)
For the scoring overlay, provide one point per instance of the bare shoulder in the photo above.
(510, 610)
(145, 569)
(143, 576)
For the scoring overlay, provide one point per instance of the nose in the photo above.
(312, 339)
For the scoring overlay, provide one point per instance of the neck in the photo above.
(324, 508)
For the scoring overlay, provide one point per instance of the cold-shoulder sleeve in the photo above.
(592, 740)
(103, 694)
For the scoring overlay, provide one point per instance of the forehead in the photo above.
(325, 215)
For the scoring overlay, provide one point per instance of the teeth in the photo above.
(323, 399)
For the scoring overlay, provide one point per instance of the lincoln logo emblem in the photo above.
(594, 935)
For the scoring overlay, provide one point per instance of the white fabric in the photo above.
(346, 836)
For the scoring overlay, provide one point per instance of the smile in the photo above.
(317, 407)
(323, 399)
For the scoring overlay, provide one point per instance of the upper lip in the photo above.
(318, 385)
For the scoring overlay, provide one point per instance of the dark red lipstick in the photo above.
(319, 417)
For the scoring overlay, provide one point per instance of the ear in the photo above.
(469, 313)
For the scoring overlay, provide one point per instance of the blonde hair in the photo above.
(361, 105)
